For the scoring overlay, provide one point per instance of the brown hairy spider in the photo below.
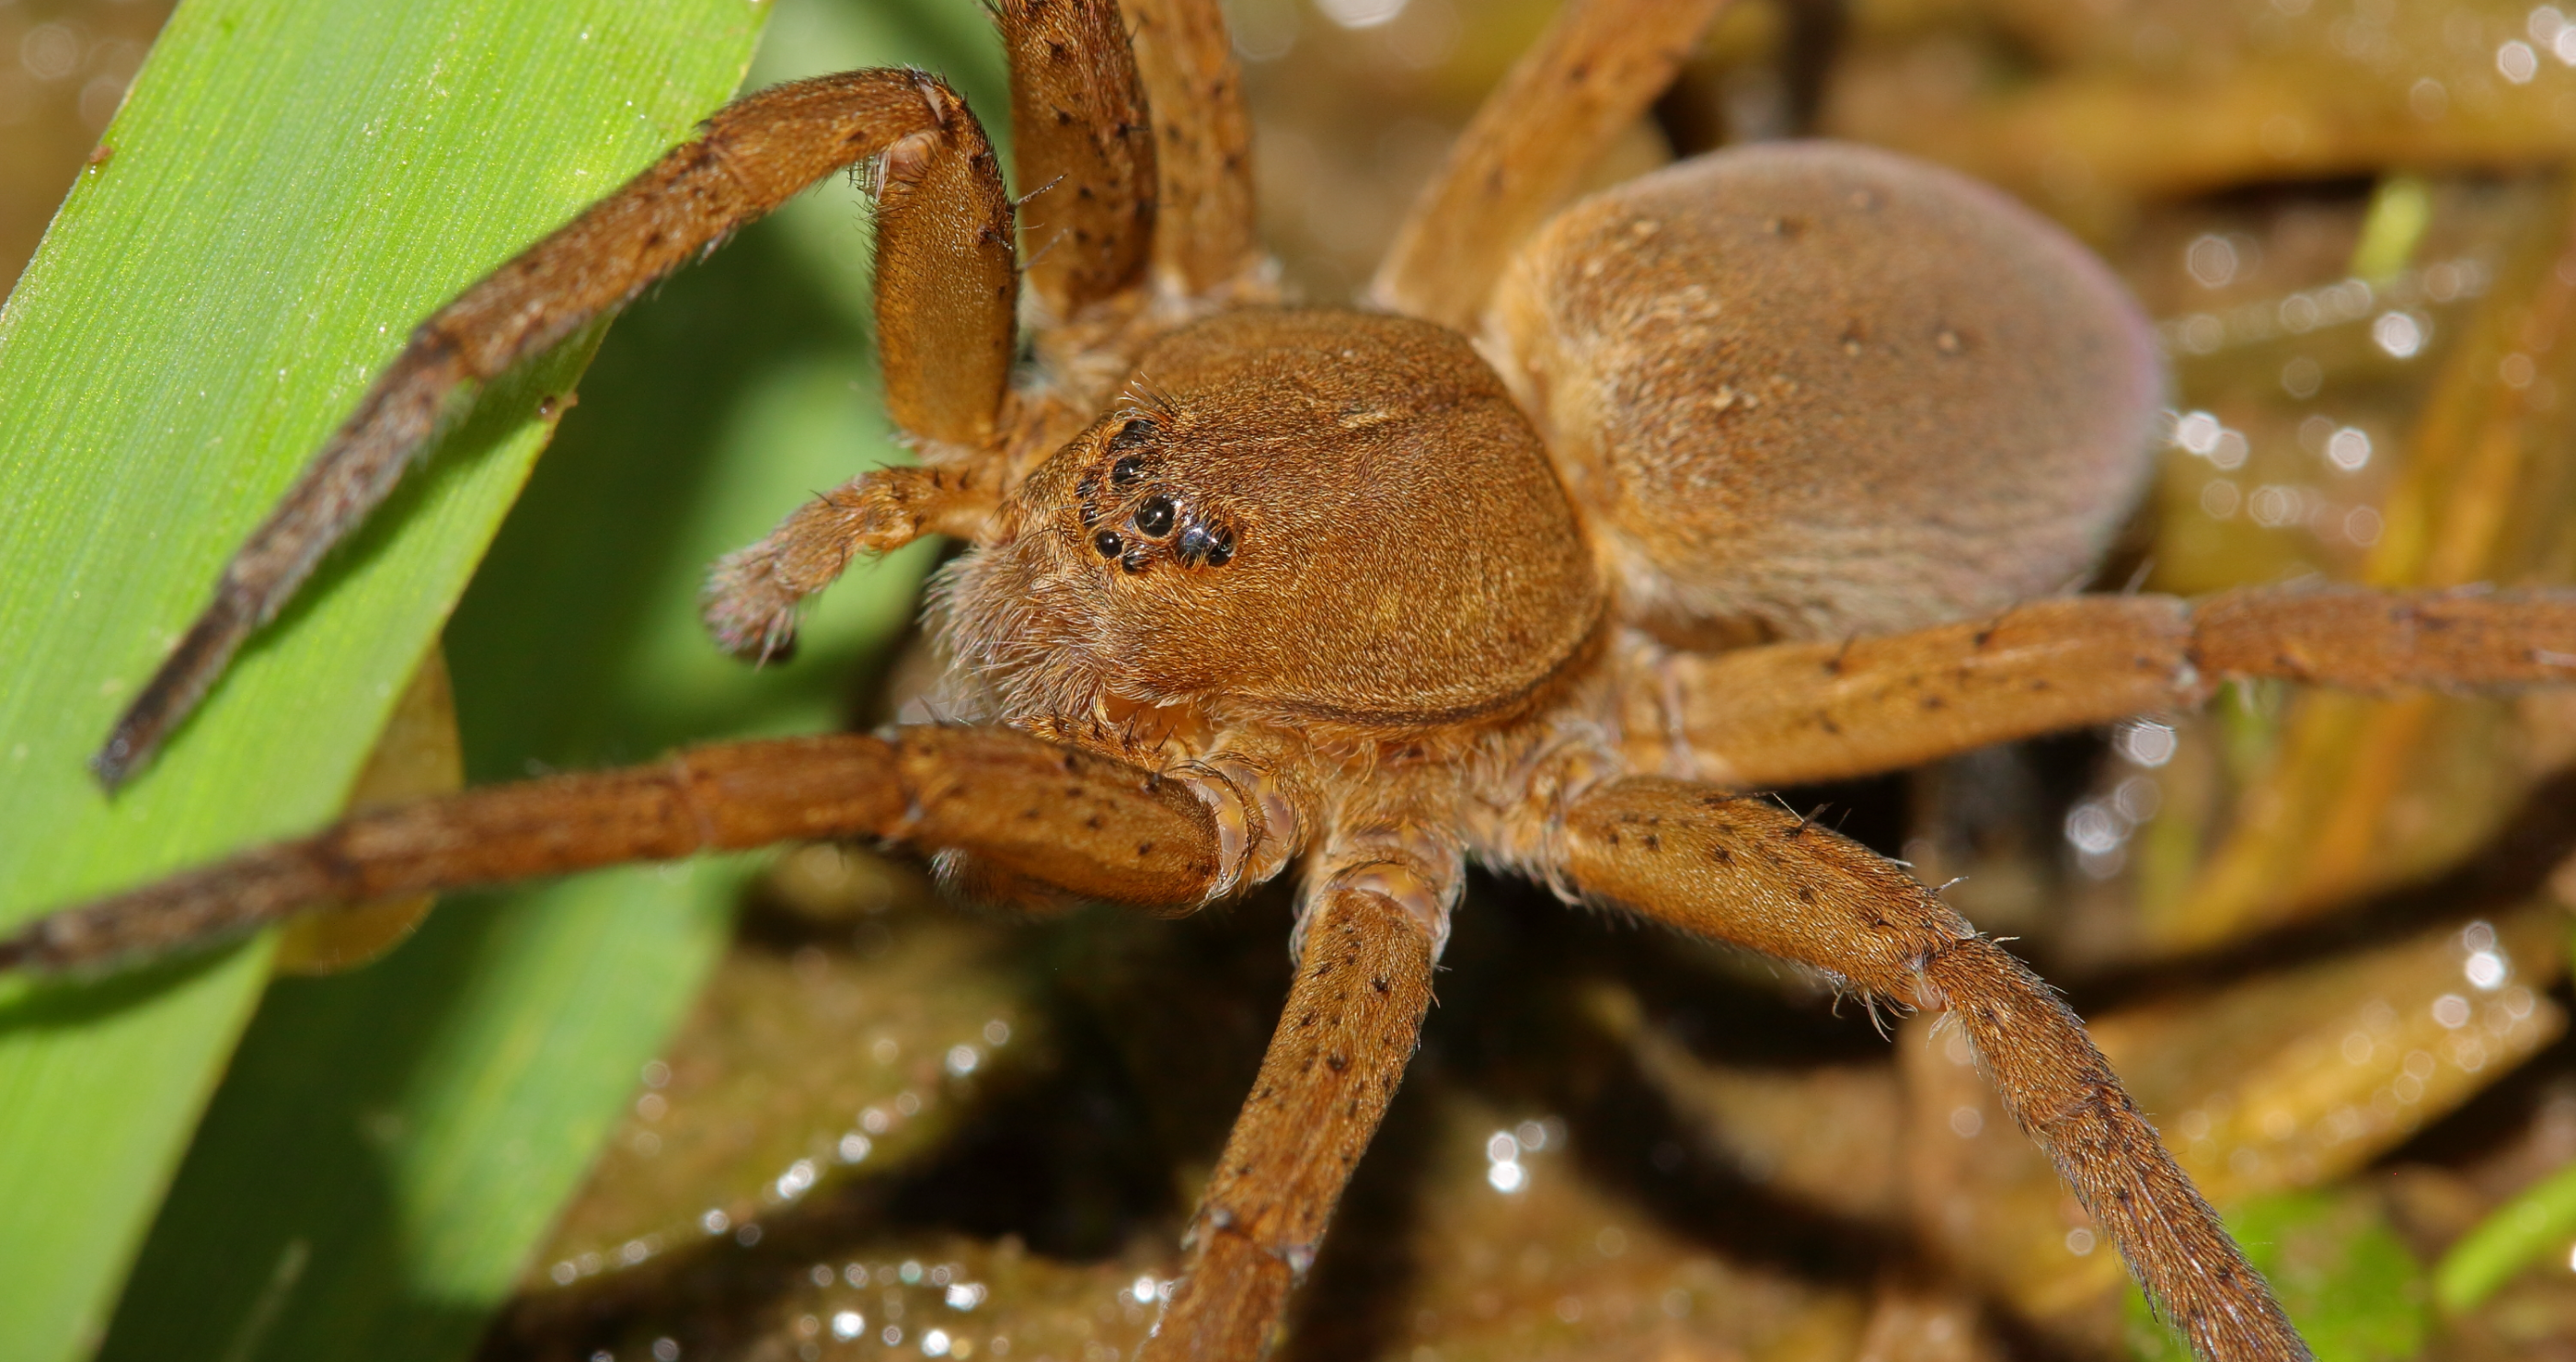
(1761, 469)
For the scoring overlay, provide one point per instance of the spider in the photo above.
(1762, 469)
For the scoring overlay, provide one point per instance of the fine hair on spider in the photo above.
(1594, 521)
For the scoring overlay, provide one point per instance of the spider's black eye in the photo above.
(1125, 473)
(1154, 516)
(1135, 561)
(1137, 431)
(1205, 545)
(1107, 544)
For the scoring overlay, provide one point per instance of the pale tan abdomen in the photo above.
(1827, 389)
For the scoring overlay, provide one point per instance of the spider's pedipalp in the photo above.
(947, 286)
(1598, 66)
(1085, 823)
(1735, 869)
(751, 156)
(1796, 713)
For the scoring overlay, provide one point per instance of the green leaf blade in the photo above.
(291, 188)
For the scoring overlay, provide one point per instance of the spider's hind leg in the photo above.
(1592, 73)
(1739, 869)
(1795, 713)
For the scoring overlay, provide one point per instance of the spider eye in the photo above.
(1126, 472)
(1135, 561)
(1107, 544)
(1205, 545)
(1154, 516)
(1137, 431)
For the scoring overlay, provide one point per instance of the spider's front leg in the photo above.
(751, 156)
(1087, 824)
(1737, 868)
(1374, 923)
(947, 290)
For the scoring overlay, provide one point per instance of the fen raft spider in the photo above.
(1758, 470)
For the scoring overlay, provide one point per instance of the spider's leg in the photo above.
(1591, 74)
(1736, 868)
(1084, 823)
(752, 156)
(1372, 929)
(947, 287)
(1792, 713)
(1083, 148)
(1204, 232)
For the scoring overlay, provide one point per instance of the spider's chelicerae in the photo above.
(1761, 469)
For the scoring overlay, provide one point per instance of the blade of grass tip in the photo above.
(291, 187)
(2534, 1225)
(2539, 1222)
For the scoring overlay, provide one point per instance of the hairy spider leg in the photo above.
(1083, 147)
(1795, 713)
(1088, 165)
(1590, 75)
(1739, 869)
(1353, 1017)
(752, 156)
(1088, 824)
(947, 289)
(1205, 234)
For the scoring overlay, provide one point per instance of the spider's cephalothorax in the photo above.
(1759, 470)
(1292, 517)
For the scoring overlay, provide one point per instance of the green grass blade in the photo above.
(391, 1144)
(490, 1055)
(2532, 1226)
(292, 186)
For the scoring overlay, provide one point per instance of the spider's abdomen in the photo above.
(1304, 514)
(1824, 389)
